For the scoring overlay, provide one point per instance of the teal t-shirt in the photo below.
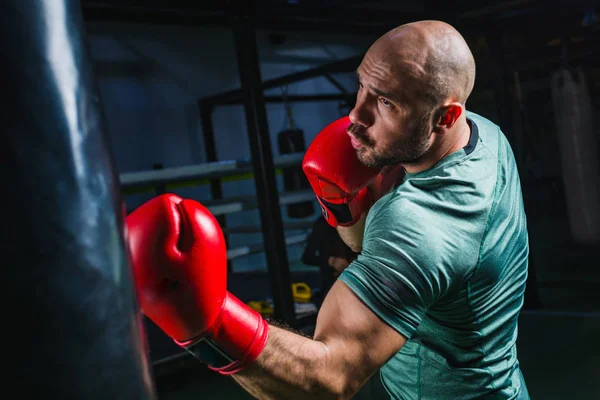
(444, 262)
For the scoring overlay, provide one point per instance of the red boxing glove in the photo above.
(337, 176)
(180, 267)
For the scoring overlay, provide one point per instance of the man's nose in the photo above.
(360, 114)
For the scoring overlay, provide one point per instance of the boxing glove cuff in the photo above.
(345, 212)
(234, 341)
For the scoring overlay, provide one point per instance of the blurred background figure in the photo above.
(326, 250)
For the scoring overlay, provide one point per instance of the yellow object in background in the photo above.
(301, 292)
(263, 307)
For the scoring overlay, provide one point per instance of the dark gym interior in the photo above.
(218, 100)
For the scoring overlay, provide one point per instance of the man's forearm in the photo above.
(290, 367)
(353, 235)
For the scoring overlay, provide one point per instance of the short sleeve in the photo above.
(398, 274)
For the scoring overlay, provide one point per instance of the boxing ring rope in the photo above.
(200, 171)
(254, 249)
(302, 225)
(245, 203)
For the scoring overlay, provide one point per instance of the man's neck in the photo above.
(452, 141)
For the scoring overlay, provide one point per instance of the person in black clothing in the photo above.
(326, 250)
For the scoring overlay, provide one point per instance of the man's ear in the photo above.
(449, 115)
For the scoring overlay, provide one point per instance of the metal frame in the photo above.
(268, 199)
(234, 96)
(264, 170)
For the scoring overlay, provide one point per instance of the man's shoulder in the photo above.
(401, 214)
(429, 222)
(439, 198)
(398, 208)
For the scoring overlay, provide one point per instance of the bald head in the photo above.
(431, 59)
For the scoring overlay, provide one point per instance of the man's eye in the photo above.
(385, 102)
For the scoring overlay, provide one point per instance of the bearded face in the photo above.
(388, 147)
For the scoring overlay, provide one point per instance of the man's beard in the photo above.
(402, 151)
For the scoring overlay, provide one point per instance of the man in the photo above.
(432, 301)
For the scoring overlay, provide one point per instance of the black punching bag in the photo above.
(575, 127)
(71, 323)
(292, 141)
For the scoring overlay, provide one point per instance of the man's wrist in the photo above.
(235, 339)
(347, 212)
(353, 235)
(208, 352)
